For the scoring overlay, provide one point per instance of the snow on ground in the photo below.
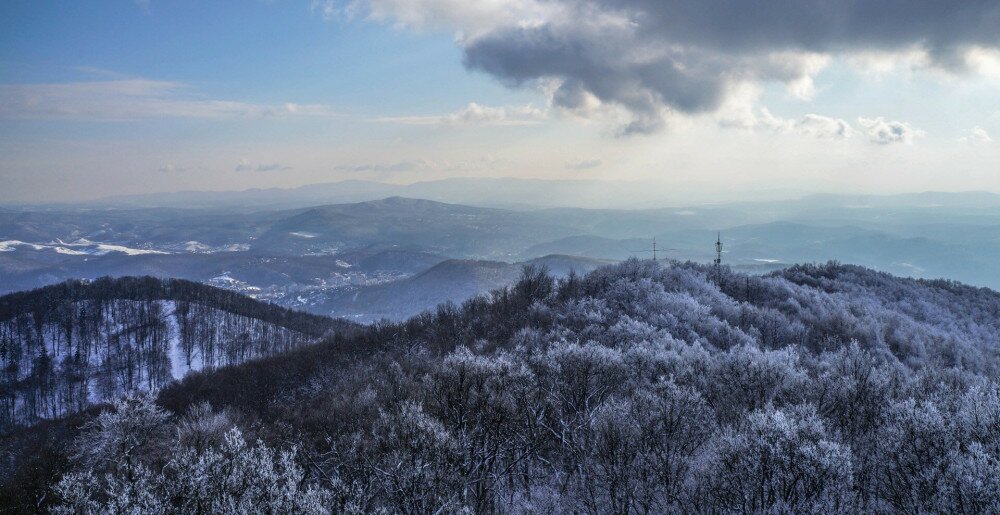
(197, 247)
(178, 363)
(100, 249)
(12, 245)
(223, 279)
(80, 247)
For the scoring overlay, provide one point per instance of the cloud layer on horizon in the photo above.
(245, 165)
(133, 99)
(476, 114)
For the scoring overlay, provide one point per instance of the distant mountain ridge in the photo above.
(497, 192)
(507, 192)
(292, 255)
(454, 280)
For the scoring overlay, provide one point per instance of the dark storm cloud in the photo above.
(818, 25)
(654, 55)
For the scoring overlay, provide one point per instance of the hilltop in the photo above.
(815, 388)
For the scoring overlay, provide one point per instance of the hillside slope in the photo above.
(454, 280)
(640, 387)
(67, 346)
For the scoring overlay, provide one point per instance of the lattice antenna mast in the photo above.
(718, 249)
(718, 257)
(654, 250)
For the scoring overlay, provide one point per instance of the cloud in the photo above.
(388, 169)
(172, 168)
(583, 164)
(384, 168)
(743, 115)
(131, 99)
(653, 58)
(740, 112)
(885, 132)
(472, 18)
(977, 136)
(824, 127)
(246, 166)
(477, 114)
(328, 9)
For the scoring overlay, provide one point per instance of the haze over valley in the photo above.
(388, 257)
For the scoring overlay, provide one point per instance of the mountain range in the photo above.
(337, 259)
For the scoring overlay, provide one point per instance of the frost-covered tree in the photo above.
(780, 461)
(231, 477)
(124, 437)
(638, 388)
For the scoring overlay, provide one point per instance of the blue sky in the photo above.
(129, 97)
(263, 52)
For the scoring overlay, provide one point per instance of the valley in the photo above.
(337, 259)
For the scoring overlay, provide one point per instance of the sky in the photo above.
(783, 97)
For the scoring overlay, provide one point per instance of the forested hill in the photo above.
(47, 299)
(70, 345)
(641, 387)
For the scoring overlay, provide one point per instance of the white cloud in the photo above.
(172, 168)
(131, 99)
(977, 136)
(583, 164)
(246, 166)
(385, 168)
(469, 18)
(740, 112)
(824, 127)
(881, 63)
(982, 60)
(394, 168)
(329, 9)
(477, 114)
(883, 132)
(796, 70)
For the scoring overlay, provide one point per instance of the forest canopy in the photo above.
(638, 388)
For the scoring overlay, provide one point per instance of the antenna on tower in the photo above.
(718, 257)
(718, 249)
(654, 250)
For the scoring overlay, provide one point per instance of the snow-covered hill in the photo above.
(66, 347)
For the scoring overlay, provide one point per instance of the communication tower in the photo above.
(718, 249)
(654, 250)
(718, 258)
